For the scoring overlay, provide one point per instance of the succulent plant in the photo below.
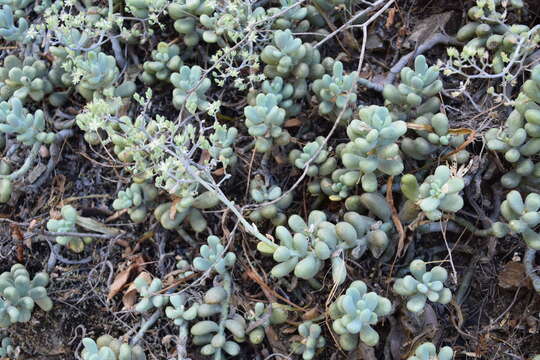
(6, 184)
(260, 193)
(354, 314)
(68, 224)
(18, 6)
(428, 351)
(136, 198)
(150, 293)
(98, 74)
(288, 58)
(228, 22)
(186, 15)
(368, 233)
(212, 334)
(165, 60)
(265, 121)
(216, 301)
(186, 208)
(6, 347)
(24, 79)
(259, 320)
(294, 19)
(287, 95)
(304, 250)
(213, 257)
(437, 194)
(487, 31)
(517, 146)
(423, 285)
(190, 89)
(323, 165)
(336, 93)
(179, 311)
(372, 148)
(10, 31)
(143, 8)
(416, 94)
(29, 129)
(336, 187)
(312, 340)
(431, 140)
(19, 295)
(521, 217)
(222, 141)
(519, 140)
(108, 348)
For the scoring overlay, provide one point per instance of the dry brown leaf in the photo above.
(120, 280)
(124, 276)
(219, 172)
(293, 122)
(130, 296)
(172, 210)
(513, 275)
(391, 18)
(311, 314)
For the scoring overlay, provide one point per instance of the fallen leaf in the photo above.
(293, 122)
(130, 297)
(172, 210)
(513, 275)
(95, 226)
(391, 18)
(219, 172)
(120, 280)
(311, 314)
(124, 276)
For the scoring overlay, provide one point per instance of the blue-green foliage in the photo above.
(8, 29)
(19, 295)
(28, 128)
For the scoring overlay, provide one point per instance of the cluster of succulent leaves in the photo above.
(488, 35)
(150, 294)
(136, 199)
(521, 217)
(336, 93)
(437, 194)
(172, 214)
(312, 340)
(423, 285)
(265, 122)
(19, 295)
(289, 58)
(304, 248)
(107, 347)
(6, 347)
(262, 316)
(355, 312)
(66, 224)
(320, 164)
(28, 128)
(11, 28)
(24, 79)
(519, 139)
(428, 351)
(211, 334)
(261, 193)
(373, 148)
